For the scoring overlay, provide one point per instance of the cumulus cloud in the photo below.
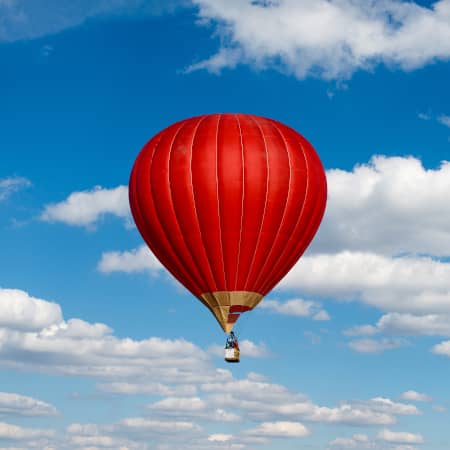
(296, 307)
(22, 405)
(14, 432)
(192, 407)
(280, 429)
(357, 441)
(10, 185)
(327, 39)
(19, 310)
(138, 260)
(130, 433)
(406, 325)
(86, 208)
(261, 400)
(391, 205)
(398, 437)
(442, 349)
(417, 285)
(376, 346)
(415, 396)
(190, 388)
(34, 336)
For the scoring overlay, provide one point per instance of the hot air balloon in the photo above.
(228, 203)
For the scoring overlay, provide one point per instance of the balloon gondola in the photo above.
(228, 203)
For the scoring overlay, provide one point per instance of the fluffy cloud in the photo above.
(406, 325)
(20, 311)
(129, 433)
(296, 307)
(10, 185)
(391, 205)
(14, 432)
(180, 373)
(442, 349)
(261, 400)
(376, 346)
(328, 39)
(192, 407)
(34, 336)
(415, 396)
(88, 207)
(417, 285)
(21, 405)
(280, 429)
(357, 441)
(400, 437)
(138, 260)
(363, 442)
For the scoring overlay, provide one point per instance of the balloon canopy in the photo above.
(228, 203)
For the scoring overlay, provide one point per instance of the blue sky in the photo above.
(101, 349)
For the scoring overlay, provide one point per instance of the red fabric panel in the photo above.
(232, 318)
(228, 202)
(239, 309)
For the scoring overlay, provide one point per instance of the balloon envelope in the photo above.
(228, 203)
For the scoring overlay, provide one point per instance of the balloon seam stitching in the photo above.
(250, 270)
(269, 254)
(242, 202)
(218, 202)
(303, 206)
(189, 252)
(195, 202)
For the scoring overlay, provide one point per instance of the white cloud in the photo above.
(220, 437)
(280, 429)
(391, 205)
(150, 388)
(357, 441)
(406, 325)
(20, 19)
(376, 346)
(442, 349)
(400, 437)
(20, 311)
(327, 39)
(34, 336)
(417, 285)
(260, 400)
(192, 407)
(415, 396)
(296, 307)
(138, 260)
(444, 120)
(10, 185)
(253, 350)
(130, 433)
(179, 372)
(21, 405)
(88, 207)
(8, 431)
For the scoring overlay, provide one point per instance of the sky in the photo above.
(101, 349)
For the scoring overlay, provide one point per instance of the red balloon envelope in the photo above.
(228, 203)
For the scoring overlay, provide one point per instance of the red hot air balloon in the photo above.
(228, 203)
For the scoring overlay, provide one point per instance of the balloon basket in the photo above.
(232, 355)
